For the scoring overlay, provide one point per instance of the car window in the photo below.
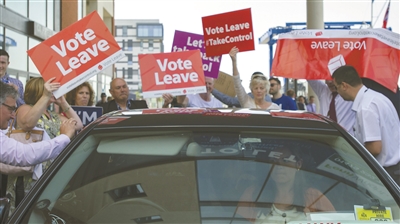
(208, 177)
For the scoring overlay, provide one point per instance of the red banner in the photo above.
(315, 54)
(224, 31)
(178, 73)
(76, 53)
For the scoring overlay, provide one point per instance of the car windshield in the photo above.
(203, 176)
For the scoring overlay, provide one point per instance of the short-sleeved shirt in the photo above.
(194, 100)
(377, 120)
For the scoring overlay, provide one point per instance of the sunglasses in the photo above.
(10, 108)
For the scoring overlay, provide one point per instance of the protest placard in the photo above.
(88, 114)
(177, 73)
(76, 53)
(315, 54)
(184, 41)
(224, 31)
(225, 84)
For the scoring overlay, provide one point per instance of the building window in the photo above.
(130, 73)
(151, 47)
(38, 11)
(50, 14)
(130, 45)
(150, 30)
(124, 31)
(130, 56)
(19, 6)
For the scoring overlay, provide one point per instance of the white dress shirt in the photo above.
(18, 154)
(345, 116)
(377, 120)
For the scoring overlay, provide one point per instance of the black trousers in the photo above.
(394, 172)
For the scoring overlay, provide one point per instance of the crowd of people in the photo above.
(373, 119)
(366, 114)
(21, 165)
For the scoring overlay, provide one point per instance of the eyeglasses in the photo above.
(273, 84)
(10, 108)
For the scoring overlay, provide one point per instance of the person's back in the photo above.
(377, 124)
(386, 127)
(394, 97)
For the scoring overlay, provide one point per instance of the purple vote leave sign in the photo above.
(184, 41)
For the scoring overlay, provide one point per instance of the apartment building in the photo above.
(137, 37)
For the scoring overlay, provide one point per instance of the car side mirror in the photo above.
(4, 209)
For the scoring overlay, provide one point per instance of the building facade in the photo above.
(137, 37)
(26, 23)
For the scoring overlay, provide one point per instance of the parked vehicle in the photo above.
(212, 166)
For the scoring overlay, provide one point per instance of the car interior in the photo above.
(204, 176)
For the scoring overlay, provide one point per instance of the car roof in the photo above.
(238, 117)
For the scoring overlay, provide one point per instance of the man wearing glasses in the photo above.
(16, 153)
(285, 102)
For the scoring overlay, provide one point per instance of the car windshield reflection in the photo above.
(206, 177)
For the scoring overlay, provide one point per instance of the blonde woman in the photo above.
(258, 86)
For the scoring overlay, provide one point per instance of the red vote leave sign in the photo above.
(224, 31)
(76, 53)
(177, 73)
(315, 54)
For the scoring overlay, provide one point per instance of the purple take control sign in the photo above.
(184, 41)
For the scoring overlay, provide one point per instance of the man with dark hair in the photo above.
(102, 101)
(234, 101)
(301, 103)
(5, 78)
(120, 92)
(377, 125)
(285, 102)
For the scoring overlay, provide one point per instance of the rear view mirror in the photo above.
(4, 209)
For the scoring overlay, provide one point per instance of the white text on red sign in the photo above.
(221, 29)
(358, 45)
(82, 57)
(176, 77)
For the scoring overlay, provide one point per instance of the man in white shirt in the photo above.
(16, 153)
(325, 91)
(377, 125)
(203, 100)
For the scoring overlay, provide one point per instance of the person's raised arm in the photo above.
(228, 100)
(28, 115)
(318, 86)
(69, 112)
(239, 89)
